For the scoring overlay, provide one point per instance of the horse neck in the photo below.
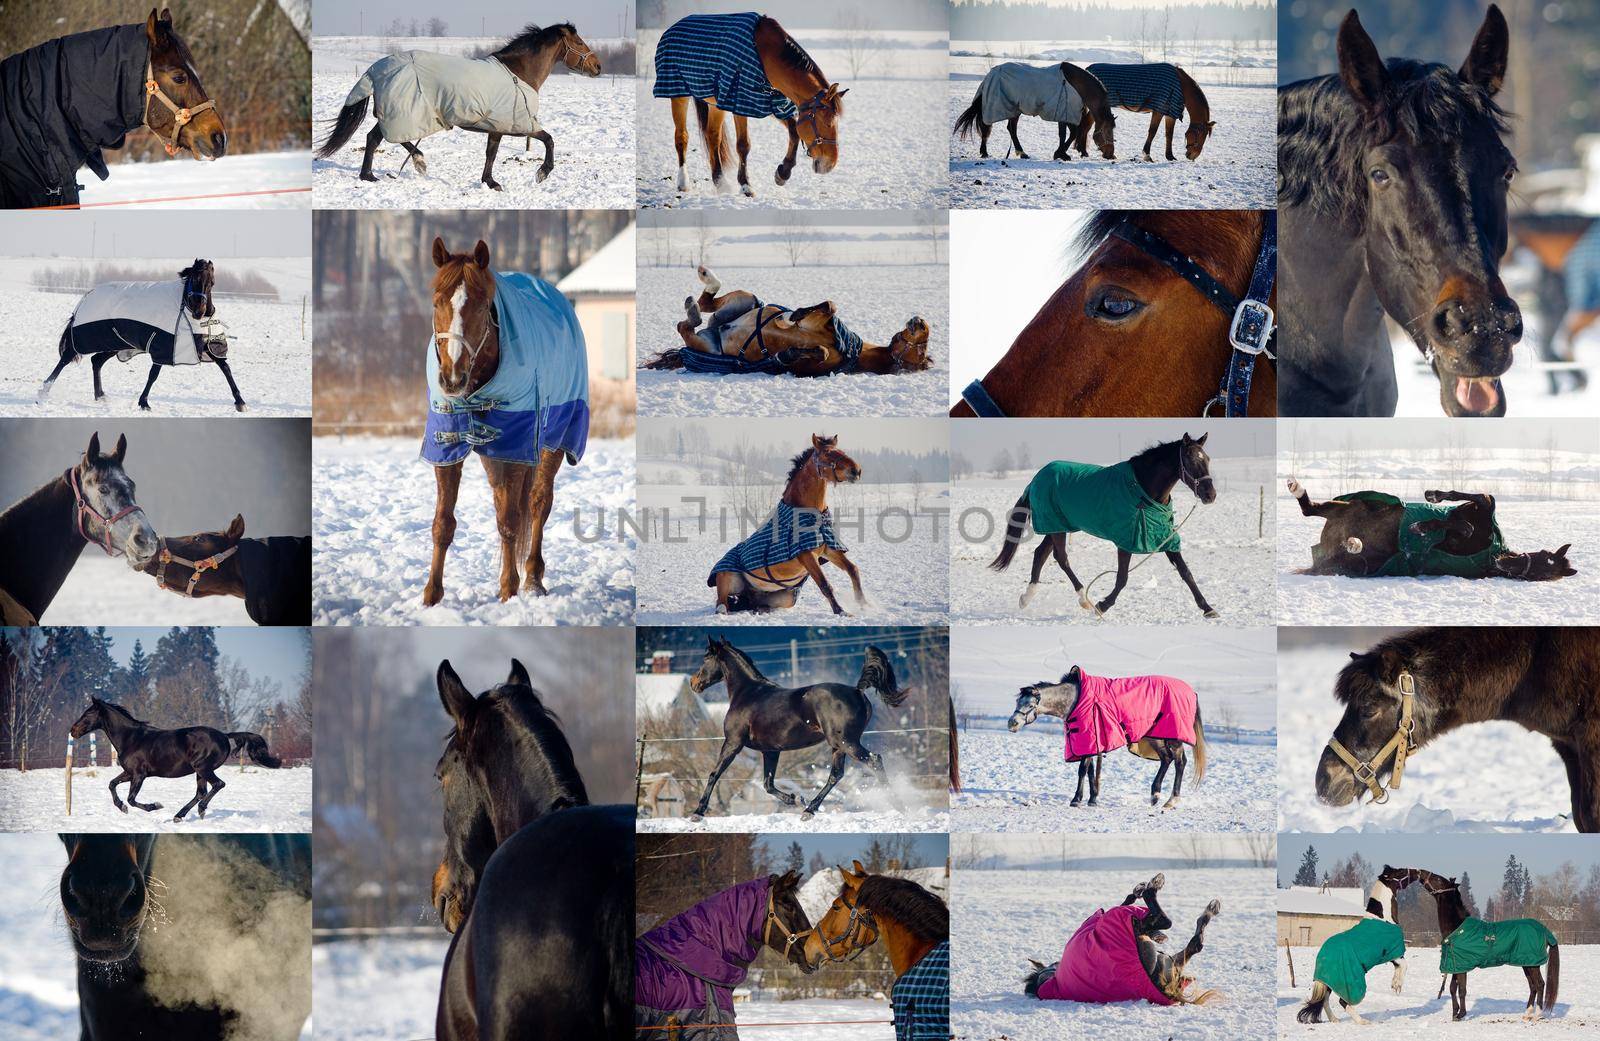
(876, 358)
(540, 782)
(806, 488)
(118, 728)
(1194, 99)
(741, 678)
(1060, 699)
(40, 535)
(1090, 89)
(1156, 475)
(905, 947)
(532, 67)
(1447, 900)
(799, 85)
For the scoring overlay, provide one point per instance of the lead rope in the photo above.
(1083, 594)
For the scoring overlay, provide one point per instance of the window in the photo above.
(614, 345)
(1305, 936)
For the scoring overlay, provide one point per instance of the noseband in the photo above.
(180, 115)
(86, 508)
(860, 920)
(809, 109)
(833, 467)
(441, 340)
(1252, 330)
(789, 938)
(1032, 709)
(197, 568)
(567, 49)
(1401, 745)
(1190, 479)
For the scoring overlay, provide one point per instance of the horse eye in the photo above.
(1114, 306)
(1380, 177)
(1511, 174)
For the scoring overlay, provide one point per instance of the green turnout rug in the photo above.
(1419, 554)
(1343, 960)
(1477, 944)
(1105, 501)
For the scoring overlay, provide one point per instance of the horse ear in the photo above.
(1211, 125)
(457, 699)
(816, 441)
(440, 254)
(860, 870)
(1360, 66)
(152, 27)
(236, 529)
(519, 675)
(122, 449)
(1203, 438)
(166, 15)
(1561, 554)
(480, 254)
(1486, 62)
(92, 453)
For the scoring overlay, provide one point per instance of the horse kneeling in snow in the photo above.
(1116, 956)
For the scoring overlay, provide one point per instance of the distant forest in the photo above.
(1012, 20)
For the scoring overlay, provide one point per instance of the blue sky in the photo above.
(1482, 856)
(280, 653)
(839, 849)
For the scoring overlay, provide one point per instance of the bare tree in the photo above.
(860, 45)
(438, 27)
(1004, 463)
(795, 228)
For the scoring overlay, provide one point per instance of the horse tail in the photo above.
(877, 673)
(1552, 978)
(64, 347)
(668, 359)
(1311, 1011)
(968, 118)
(1035, 978)
(1019, 516)
(955, 751)
(717, 146)
(1199, 745)
(350, 116)
(255, 746)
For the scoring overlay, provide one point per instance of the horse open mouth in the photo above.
(1471, 395)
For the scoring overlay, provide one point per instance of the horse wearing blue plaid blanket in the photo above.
(749, 66)
(766, 570)
(1163, 90)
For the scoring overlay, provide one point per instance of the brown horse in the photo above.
(272, 575)
(1127, 334)
(466, 342)
(802, 340)
(764, 586)
(1194, 138)
(909, 920)
(792, 73)
(1097, 116)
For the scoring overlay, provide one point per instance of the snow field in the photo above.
(256, 800)
(234, 178)
(376, 990)
(102, 590)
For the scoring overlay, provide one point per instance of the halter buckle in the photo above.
(1408, 683)
(151, 87)
(1251, 328)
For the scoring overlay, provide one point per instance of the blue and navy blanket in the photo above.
(845, 342)
(538, 397)
(714, 56)
(1153, 87)
(785, 535)
(921, 998)
(1583, 272)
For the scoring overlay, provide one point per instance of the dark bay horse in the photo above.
(1409, 689)
(1194, 103)
(773, 719)
(1452, 911)
(147, 751)
(1360, 536)
(117, 889)
(517, 820)
(42, 535)
(802, 516)
(530, 55)
(1133, 333)
(1097, 116)
(1392, 188)
(271, 575)
(1157, 469)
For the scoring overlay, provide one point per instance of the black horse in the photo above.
(536, 885)
(773, 719)
(42, 535)
(147, 751)
(109, 895)
(1392, 194)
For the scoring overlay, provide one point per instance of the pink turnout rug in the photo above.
(1114, 713)
(1101, 962)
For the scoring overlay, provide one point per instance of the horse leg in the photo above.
(1039, 556)
(1188, 580)
(489, 152)
(217, 784)
(1397, 981)
(729, 586)
(1180, 759)
(133, 796)
(1170, 123)
(1016, 142)
(508, 483)
(1061, 146)
(786, 167)
(842, 561)
(50, 380)
(1161, 772)
(1535, 985)
(1580, 809)
(769, 769)
(835, 771)
(1083, 775)
(1155, 122)
(1196, 942)
(809, 561)
(714, 146)
(96, 364)
(680, 138)
(1094, 779)
(1080, 133)
(741, 138)
(541, 499)
(150, 381)
(227, 374)
(1058, 548)
(1123, 556)
(116, 800)
(373, 137)
(543, 137)
(731, 747)
(1458, 996)
(199, 793)
(417, 158)
(447, 480)
(983, 139)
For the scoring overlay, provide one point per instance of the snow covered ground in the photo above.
(591, 120)
(372, 517)
(874, 300)
(857, 803)
(38, 972)
(1237, 169)
(891, 133)
(102, 590)
(1019, 782)
(1001, 918)
(282, 179)
(1437, 794)
(1495, 1000)
(256, 800)
(1232, 567)
(376, 990)
(269, 356)
(849, 1019)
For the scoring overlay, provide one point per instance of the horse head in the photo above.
(93, 718)
(1372, 718)
(1539, 566)
(505, 764)
(847, 928)
(1096, 100)
(1436, 175)
(578, 56)
(909, 346)
(105, 893)
(1195, 137)
(198, 279)
(107, 512)
(466, 335)
(1027, 709)
(817, 122)
(194, 564)
(832, 465)
(174, 96)
(1194, 468)
(785, 927)
(711, 671)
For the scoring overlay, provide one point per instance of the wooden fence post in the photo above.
(638, 773)
(1289, 953)
(70, 743)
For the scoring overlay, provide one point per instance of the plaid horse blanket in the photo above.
(1101, 962)
(1105, 501)
(1582, 272)
(136, 318)
(921, 998)
(685, 969)
(845, 342)
(1420, 554)
(785, 535)
(1344, 959)
(1113, 713)
(714, 56)
(538, 397)
(1015, 89)
(1154, 87)
(417, 93)
(1477, 944)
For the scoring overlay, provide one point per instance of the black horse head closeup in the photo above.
(105, 893)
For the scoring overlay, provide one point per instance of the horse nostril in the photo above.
(1449, 320)
(219, 142)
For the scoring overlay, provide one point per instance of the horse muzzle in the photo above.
(1336, 783)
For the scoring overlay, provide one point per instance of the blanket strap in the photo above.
(1401, 745)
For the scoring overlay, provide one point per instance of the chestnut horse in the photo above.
(1132, 333)
(1194, 138)
(802, 340)
(466, 341)
(792, 73)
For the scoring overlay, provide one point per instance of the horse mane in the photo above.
(119, 710)
(741, 658)
(919, 911)
(1323, 133)
(1223, 242)
(800, 460)
(531, 38)
(793, 54)
(559, 771)
(1149, 455)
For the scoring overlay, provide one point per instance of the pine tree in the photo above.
(797, 858)
(818, 863)
(1306, 874)
(137, 679)
(1466, 894)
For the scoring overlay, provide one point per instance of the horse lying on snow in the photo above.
(745, 335)
(1345, 958)
(1369, 534)
(1116, 956)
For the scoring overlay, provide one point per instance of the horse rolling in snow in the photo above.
(1368, 534)
(1101, 715)
(1128, 504)
(415, 91)
(1061, 94)
(147, 751)
(773, 719)
(1116, 956)
(1345, 958)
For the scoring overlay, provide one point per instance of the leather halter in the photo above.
(789, 938)
(1252, 330)
(180, 115)
(84, 507)
(861, 919)
(492, 325)
(808, 114)
(568, 48)
(197, 567)
(1401, 745)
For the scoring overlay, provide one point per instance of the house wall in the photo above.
(1310, 930)
(608, 332)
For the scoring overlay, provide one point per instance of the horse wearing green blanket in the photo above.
(1344, 959)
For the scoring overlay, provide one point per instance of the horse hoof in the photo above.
(1294, 487)
(240, 406)
(121, 807)
(696, 817)
(683, 182)
(781, 178)
(1157, 882)
(807, 815)
(143, 407)
(432, 595)
(369, 177)
(537, 588)
(749, 192)
(1211, 613)
(544, 172)
(1075, 802)
(153, 807)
